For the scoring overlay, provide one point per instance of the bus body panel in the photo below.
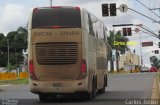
(56, 69)
(57, 54)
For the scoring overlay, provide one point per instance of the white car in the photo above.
(144, 69)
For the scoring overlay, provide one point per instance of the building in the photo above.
(129, 61)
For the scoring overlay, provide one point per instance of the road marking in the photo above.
(4, 85)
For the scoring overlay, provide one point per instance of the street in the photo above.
(120, 88)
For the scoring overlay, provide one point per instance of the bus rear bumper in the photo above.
(59, 87)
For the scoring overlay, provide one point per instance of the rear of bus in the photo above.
(55, 57)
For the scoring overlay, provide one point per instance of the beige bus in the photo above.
(67, 52)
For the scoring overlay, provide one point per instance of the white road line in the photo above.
(4, 85)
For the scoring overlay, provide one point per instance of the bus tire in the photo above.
(106, 81)
(94, 85)
(87, 96)
(92, 94)
(46, 98)
(43, 97)
(102, 90)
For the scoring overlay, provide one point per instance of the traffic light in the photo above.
(156, 51)
(113, 9)
(159, 44)
(129, 30)
(124, 31)
(105, 11)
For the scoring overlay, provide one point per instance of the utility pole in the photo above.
(141, 50)
(51, 3)
(16, 58)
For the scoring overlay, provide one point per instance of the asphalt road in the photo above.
(123, 89)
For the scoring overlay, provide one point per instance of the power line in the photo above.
(147, 8)
(153, 34)
(148, 28)
(155, 9)
(144, 15)
(148, 33)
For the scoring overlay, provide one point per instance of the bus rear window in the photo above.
(63, 17)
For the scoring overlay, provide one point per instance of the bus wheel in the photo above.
(91, 95)
(102, 90)
(45, 97)
(42, 97)
(106, 81)
(93, 89)
(87, 96)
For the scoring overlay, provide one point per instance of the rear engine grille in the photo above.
(57, 53)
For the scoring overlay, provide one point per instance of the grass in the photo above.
(17, 81)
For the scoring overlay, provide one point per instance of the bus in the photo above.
(67, 52)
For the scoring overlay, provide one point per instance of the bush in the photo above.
(11, 67)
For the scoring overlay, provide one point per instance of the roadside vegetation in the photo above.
(16, 41)
(16, 81)
(155, 62)
(117, 36)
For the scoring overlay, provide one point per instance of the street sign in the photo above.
(123, 8)
(145, 44)
(136, 30)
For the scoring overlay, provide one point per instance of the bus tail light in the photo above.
(31, 70)
(83, 70)
(77, 8)
(83, 67)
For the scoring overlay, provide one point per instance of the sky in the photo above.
(15, 13)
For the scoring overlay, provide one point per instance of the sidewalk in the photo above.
(156, 88)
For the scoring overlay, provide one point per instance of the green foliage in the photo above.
(11, 67)
(3, 61)
(17, 81)
(155, 62)
(1, 36)
(121, 68)
(116, 36)
(17, 43)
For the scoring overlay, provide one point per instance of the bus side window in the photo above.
(104, 33)
(90, 22)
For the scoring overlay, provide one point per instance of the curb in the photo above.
(159, 84)
(155, 89)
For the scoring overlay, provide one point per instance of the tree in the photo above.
(17, 42)
(121, 48)
(1, 36)
(155, 62)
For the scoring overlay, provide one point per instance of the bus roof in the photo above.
(71, 7)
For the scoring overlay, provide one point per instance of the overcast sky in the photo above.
(14, 13)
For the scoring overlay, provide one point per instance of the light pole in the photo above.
(141, 49)
(51, 3)
(16, 57)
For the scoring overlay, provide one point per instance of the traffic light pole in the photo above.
(119, 25)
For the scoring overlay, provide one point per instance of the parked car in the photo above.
(153, 69)
(144, 69)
